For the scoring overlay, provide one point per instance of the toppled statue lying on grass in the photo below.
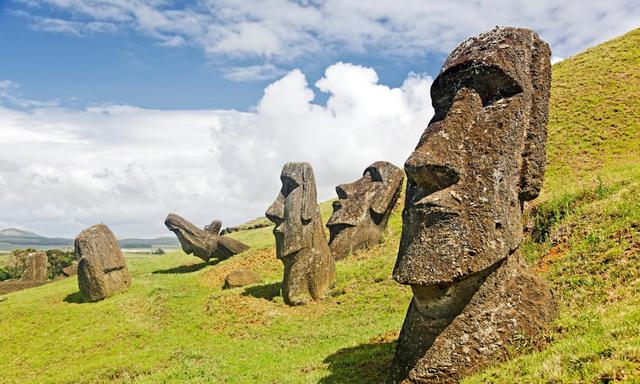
(205, 244)
(477, 163)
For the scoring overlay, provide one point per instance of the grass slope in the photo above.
(175, 324)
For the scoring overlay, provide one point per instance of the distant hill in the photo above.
(12, 238)
(13, 232)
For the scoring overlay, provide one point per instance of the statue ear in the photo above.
(533, 154)
(309, 194)
(383, 199)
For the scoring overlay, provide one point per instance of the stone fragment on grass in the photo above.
(71, 270)
(102, 270)
(241, 278)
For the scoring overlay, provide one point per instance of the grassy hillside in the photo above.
(176, 324)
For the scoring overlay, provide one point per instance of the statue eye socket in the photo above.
(489, 81)
(374, 174)
(288, 185)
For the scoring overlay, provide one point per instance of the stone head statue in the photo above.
(361, 213)
(300, 240)
(481, 157)
(205, 244)
(102, 269)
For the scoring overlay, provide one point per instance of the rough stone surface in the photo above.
(205, 244)
(71, 270)
(241, 278)
(361, 213)
(36, 267)
(481, 157)
(301, 244)
(214, 227)
(102, 270)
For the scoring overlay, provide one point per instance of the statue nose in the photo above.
(343, 191)
(428, 174)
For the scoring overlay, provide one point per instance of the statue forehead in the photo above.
(384, 169)
(509, 49)
(299, 172)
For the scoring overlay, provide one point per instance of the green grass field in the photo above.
(176, 324)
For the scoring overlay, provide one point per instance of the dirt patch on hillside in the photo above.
(556, 253)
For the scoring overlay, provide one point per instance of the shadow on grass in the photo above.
(266, 291)
(74, 298)
(366, 363)
(186, 268)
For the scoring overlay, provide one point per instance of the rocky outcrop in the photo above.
(361, 213)
(205, 244)
(301, 244)
(477, 163)
(102, 270)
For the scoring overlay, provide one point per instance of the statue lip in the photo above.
(340, 223)
(279, 229)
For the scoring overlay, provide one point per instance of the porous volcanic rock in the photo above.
(241, 278)
(102, 270)
(71, 270)
(301, 244)
(361, 213)
(203, 243)
(36, 267)
(214, 227)
(477, 163)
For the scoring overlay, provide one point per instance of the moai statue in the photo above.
(102, 270)
(481, 157)
(205, 244)
(309, 268)
(214, 227)
(37, 263)
(361, 213)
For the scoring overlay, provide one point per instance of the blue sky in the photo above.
(121, 111)
(124, 67)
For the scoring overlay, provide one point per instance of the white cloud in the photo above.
(252, 72)
(9, 95)
(556, 59)
(62, 170)
(283, 30)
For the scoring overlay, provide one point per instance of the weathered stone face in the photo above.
(36, 267)
(362, 210)
(205, 244)
(309, 268)
(102, 270)
(478, 161)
